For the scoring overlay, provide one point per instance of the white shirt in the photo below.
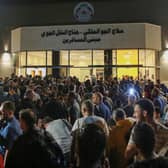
(79, 123)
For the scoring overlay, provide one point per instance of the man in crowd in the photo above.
(91, 147)
(28, 102)
(157, 115)
(11, 129)
(73, 107)
(144, 138)
(100, 109)
(34, 149)
(54, 109)
(87, 109)
(118, 139)
(89, 117)
(143, 111)
(129, 108)
(158, 100)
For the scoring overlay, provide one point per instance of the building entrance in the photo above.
(85, 64)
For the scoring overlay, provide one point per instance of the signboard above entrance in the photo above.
(75, 36)
(91, 36)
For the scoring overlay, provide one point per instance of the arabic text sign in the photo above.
(91, 35)
(79, 37)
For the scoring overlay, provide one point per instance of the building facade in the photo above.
(99, 50)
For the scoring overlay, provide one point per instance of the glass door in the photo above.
(79, 62)
(127, 60)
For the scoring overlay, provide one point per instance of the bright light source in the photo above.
(131, 91)
(165, 56)
(6, 47)
(166, 53)
(166, 43)
(6, 58)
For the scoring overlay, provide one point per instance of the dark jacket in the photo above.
(159, 162)
(103, 111)
(35, 149)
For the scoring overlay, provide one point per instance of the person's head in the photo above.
(143, 110)
(27, 119)
(7, 109)
(157, 113)
(72, 87)
(87, 96)
(40, 123)
(144, 138)
(29, 94)
(131, 99)
(45, 121)
(119, 114)
(92, 142)
(102, 89)
(71, 97)
(87, 108)
(97, 98)
(155, 92)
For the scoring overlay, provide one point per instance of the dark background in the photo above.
(16, 13)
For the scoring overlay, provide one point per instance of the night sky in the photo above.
(16, 13)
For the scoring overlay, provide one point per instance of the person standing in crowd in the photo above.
(28, 101)
(34, 148)
(157, 115)
(144, 138)
(91, 147)
(129, 108)
(158, 100)
(100, 109)
(54, 109)
(106, 99)
(10, 131)
(118, 139)
(73, 107)
(143, 111)
(149, 85)
(13, 95)
(87, 109)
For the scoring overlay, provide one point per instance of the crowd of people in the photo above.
(64, 123)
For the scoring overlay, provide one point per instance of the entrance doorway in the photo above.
(36, 72)
(83, 63)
